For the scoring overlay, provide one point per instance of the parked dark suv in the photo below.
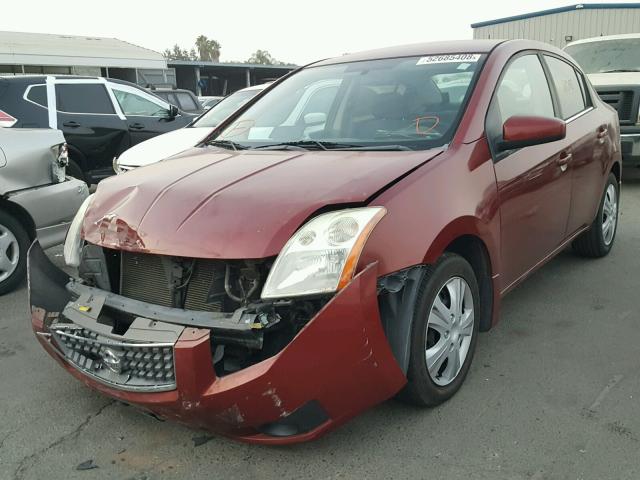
(100, 118)
(183, 99)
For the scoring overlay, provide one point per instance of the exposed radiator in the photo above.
(145, 277)
(208, 276)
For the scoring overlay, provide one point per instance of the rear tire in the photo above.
(444, 332)
(598, 240)
(14, 243)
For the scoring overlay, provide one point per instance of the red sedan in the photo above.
(339, 240)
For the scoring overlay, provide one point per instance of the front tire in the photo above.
(598, 240)
(444, 333)
(14, 243)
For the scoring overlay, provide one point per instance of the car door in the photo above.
(534, 186)
(91, 126)
(589, 141)
(147, 116)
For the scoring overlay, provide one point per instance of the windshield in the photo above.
(399, 103)
(225, 107)
(607, 55)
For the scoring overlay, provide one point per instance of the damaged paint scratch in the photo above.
(277, 401)
(232, 415)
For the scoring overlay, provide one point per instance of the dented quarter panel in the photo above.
(29, 157)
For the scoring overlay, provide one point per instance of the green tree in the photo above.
(208, 49)
(177, 53)
(262, 57)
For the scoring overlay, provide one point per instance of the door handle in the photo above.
(563, 161)
(136, 126)
(71, 124)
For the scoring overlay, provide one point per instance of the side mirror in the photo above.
(525, 131)
(173, 111)
(311, 119)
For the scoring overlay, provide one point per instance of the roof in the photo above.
(604, 38)
(417, 49)
(34, 79)
(552, 11)
(199, 63)
(19, 48)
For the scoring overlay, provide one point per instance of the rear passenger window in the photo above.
(570, 94)
(186, 102)
(83, 98)
(584, 90)
(38, 94)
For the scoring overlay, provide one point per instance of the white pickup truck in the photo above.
(612, 64)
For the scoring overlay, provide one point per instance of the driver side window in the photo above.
(137, 105)
(523, 90)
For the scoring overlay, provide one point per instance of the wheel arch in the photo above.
(616, 169)
(21, 215)
(478, 243)
(397, 292)
(473, 250)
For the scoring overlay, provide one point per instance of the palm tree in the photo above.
(208, 49)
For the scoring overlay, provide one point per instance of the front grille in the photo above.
(622, 101)
(125, 365)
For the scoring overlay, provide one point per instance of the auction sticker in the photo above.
(454, 58)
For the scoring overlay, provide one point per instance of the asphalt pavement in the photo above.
(553, 393)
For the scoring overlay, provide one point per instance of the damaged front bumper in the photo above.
(338, 365)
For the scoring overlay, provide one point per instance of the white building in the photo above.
(41, 53)
(560, 26)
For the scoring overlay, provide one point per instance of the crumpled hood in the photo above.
(211, 203)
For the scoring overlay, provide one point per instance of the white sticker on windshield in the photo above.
(455, 58)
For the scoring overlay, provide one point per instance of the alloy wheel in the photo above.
(609, 214)
(449, 331)
(9, 253)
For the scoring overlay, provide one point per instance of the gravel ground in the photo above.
(553, 393)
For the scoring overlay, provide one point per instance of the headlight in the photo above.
(322, 256)
(73, 242)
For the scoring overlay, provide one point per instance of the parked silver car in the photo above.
(37, 199)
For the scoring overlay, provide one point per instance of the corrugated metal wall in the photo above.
(555, 27)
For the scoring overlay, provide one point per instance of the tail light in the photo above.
(7, 120)
(60, 163)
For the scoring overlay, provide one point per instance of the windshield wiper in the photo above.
(316, 144)
(228, 144)
(373, 148)
(307, 145)
(621, 70)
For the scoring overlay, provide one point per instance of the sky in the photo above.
(293, 31)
